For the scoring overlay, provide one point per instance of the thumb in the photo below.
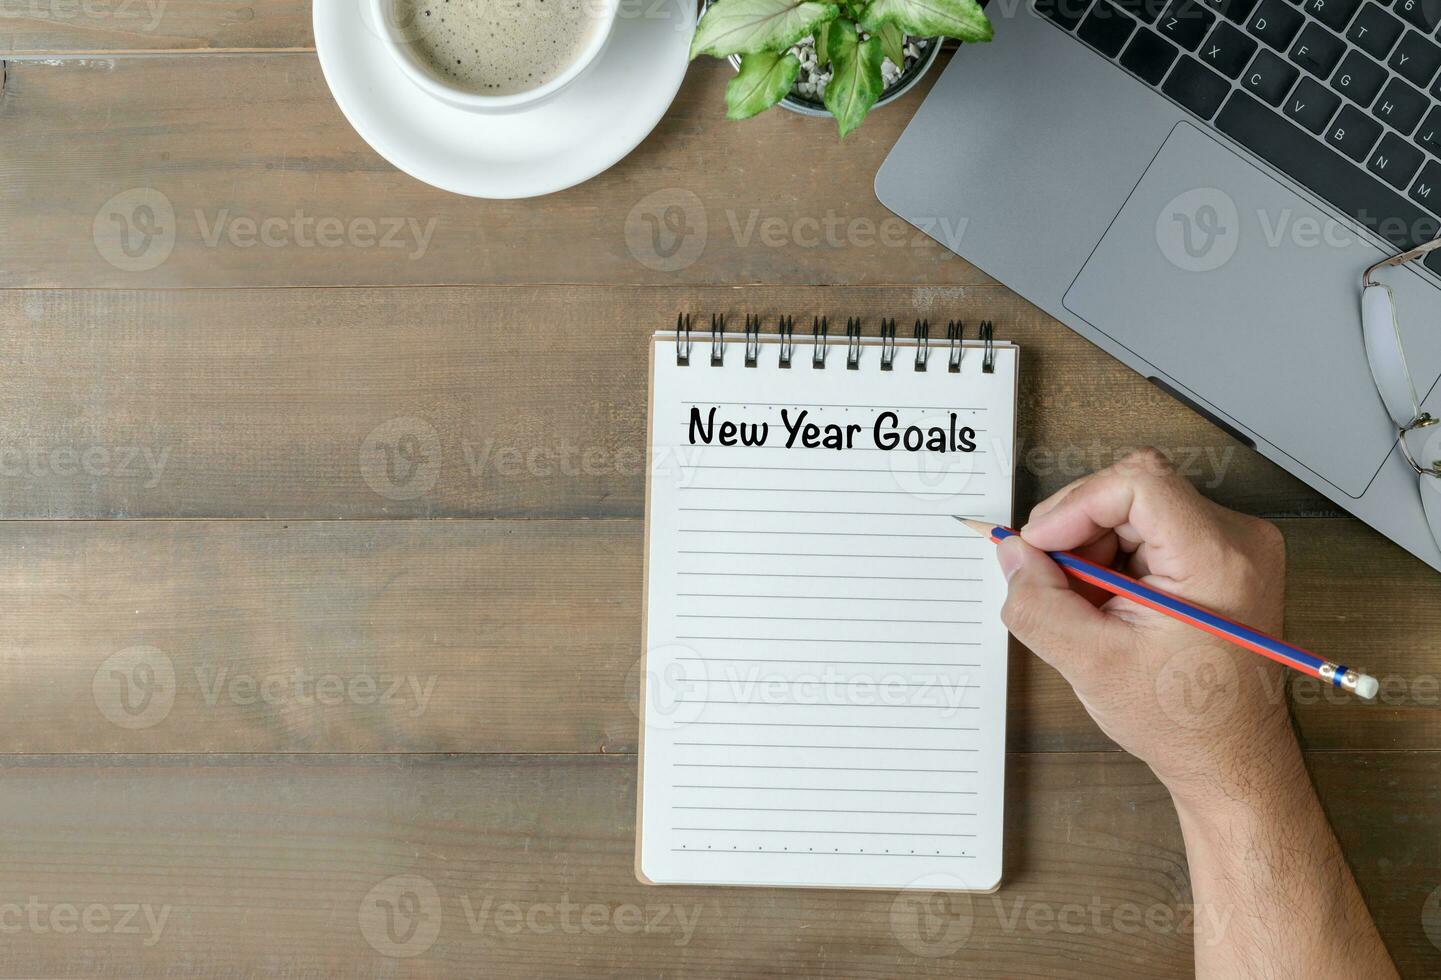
(1042, 610)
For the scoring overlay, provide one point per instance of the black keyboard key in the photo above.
(1144, 10)
(1317, 50)
(1395, 160)
(1312, 105)
(1333, 13)
(1149, 57)
(1416, 59)
(1429, 135)
(1374, 30)
(1331, 177)
(1275, 23)
(1106, 29)
(1426, 191)
(1196, 87)
(1353, 133)
(1400, 106)
(1359, 78)
(1421, 14)
(1067, 13)
(1227, 50)
(1269, 77)
(1186, 22)
(1237, 10)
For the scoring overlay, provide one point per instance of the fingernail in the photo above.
(1010, 553)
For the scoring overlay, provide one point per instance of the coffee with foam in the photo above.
(498, 47)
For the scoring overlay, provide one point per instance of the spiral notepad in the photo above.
(824, 672)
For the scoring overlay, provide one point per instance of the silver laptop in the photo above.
(1196, 187)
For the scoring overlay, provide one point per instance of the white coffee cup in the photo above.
(400, 38)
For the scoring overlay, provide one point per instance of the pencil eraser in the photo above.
(1366, 686)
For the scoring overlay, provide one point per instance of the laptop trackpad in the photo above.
(1239, 290)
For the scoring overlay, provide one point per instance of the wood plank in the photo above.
(67, 27)
(282, 865)
(239, 145)
(512, 402)
(509, 636)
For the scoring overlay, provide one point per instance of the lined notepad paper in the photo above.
(825, 666)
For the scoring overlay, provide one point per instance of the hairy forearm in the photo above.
(1273, 894)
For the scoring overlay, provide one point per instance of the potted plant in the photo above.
(841, 47)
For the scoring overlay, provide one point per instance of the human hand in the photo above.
(1206, 716)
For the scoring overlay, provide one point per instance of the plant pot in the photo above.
(931, 50)
(909, 76)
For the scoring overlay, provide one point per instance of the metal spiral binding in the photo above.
(717, 340)
(682, 339)
(853, 343)
(955, 334)
(786, 328)
(820, 333)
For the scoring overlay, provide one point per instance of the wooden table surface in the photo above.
(271, 709)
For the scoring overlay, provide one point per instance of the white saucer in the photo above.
(581, 131)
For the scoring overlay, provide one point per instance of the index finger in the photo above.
(1141, 499)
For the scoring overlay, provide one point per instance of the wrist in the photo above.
(1265, 777)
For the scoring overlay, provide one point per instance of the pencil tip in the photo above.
(980, 527)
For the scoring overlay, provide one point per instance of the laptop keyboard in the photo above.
(1342, 96)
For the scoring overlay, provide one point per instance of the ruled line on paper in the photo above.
(785, 809)
(834, 789)
(806, 554)
(857, 748)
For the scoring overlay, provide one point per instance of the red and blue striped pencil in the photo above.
(1240, 634)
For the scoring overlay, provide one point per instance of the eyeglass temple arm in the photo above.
(1401, 258)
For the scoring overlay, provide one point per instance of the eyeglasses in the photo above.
(1417, 432)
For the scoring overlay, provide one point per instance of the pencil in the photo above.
(1112, 581)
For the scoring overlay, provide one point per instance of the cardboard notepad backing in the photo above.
(824, 674)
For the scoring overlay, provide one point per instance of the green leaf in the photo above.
(764, 79)
(823, 55)
(893, 43)
(749, 26)
(856, 80)
(961, 19)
